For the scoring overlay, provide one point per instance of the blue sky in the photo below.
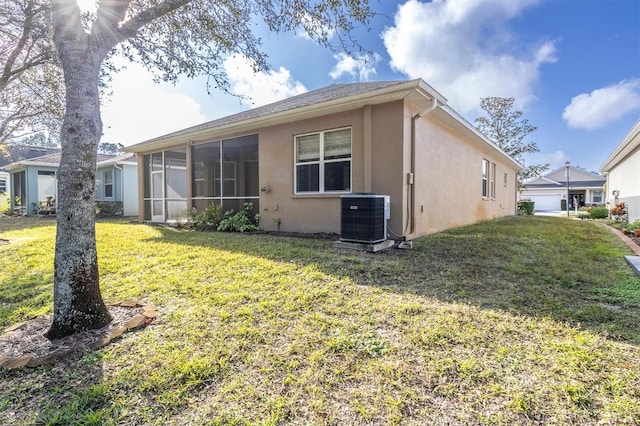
(572, 65)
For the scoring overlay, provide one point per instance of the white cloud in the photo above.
(262, 87)
(362, 67)
(316, 27)
(602, 106)
(141, 109)
(465, 50)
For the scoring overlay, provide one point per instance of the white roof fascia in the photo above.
(624, 148)
(121, 159)
(551, 181)
(532, 180)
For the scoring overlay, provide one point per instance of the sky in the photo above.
(573, 67)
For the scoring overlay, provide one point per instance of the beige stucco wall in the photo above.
(389, 160)
(303, 213)
(321, 213)
(625, 177)
(448, 179)
(447, 173)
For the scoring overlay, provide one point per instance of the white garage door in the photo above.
(546, 202)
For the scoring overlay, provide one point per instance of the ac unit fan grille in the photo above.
(363, 219)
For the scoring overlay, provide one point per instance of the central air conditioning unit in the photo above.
(364, 218)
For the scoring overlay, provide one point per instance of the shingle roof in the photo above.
(324, 94)
(52, 160)
(24, 152)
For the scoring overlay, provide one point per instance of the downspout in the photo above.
(411, 221)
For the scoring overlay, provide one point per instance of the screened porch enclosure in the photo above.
(223, 172)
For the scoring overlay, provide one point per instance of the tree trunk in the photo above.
(77, 302)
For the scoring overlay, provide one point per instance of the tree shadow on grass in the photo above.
(68, 392)
(541, 267)
(11, 223)
(61, 381)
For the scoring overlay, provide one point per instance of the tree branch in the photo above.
(131, 27)
(8, 70)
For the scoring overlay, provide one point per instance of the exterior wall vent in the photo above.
(364, 218)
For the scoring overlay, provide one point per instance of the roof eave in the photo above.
(386, 94)
(27, 163)
(628, 144)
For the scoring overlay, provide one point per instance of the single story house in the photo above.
(549, 191)
(35, 183)
(11, 153)
(295, 158)
(622, 169)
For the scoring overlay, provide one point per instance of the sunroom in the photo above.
(222, 172)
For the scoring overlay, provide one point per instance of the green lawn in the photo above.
(522, 320)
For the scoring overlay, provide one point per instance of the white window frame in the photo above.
(492, 181)
(600, 194)
(321, 162)
(107, 182)
(485, 179)
(3, 185)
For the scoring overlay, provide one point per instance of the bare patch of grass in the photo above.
(523, 320)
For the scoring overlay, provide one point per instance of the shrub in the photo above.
(634, 225)
(599, 212)
(109, 208)
(208, 220)
(5, 203)
(525, 207)
(619, 212)
(241, 221)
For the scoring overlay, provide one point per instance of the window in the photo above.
(3, 186)
(597, 197)
(108, 184)
(323, 162)
(485, 178)
(492, 183)
(505, 180)
(47, 184)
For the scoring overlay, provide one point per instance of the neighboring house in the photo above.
(5, 182)
(295, 158)
(622, 169)
(35, 182)
(549, 191)
(11, 153)
(117, 180)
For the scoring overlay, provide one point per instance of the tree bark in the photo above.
(77, 301)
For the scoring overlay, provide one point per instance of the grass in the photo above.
(521, 320)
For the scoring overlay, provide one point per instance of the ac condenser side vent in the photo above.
(363, 218)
